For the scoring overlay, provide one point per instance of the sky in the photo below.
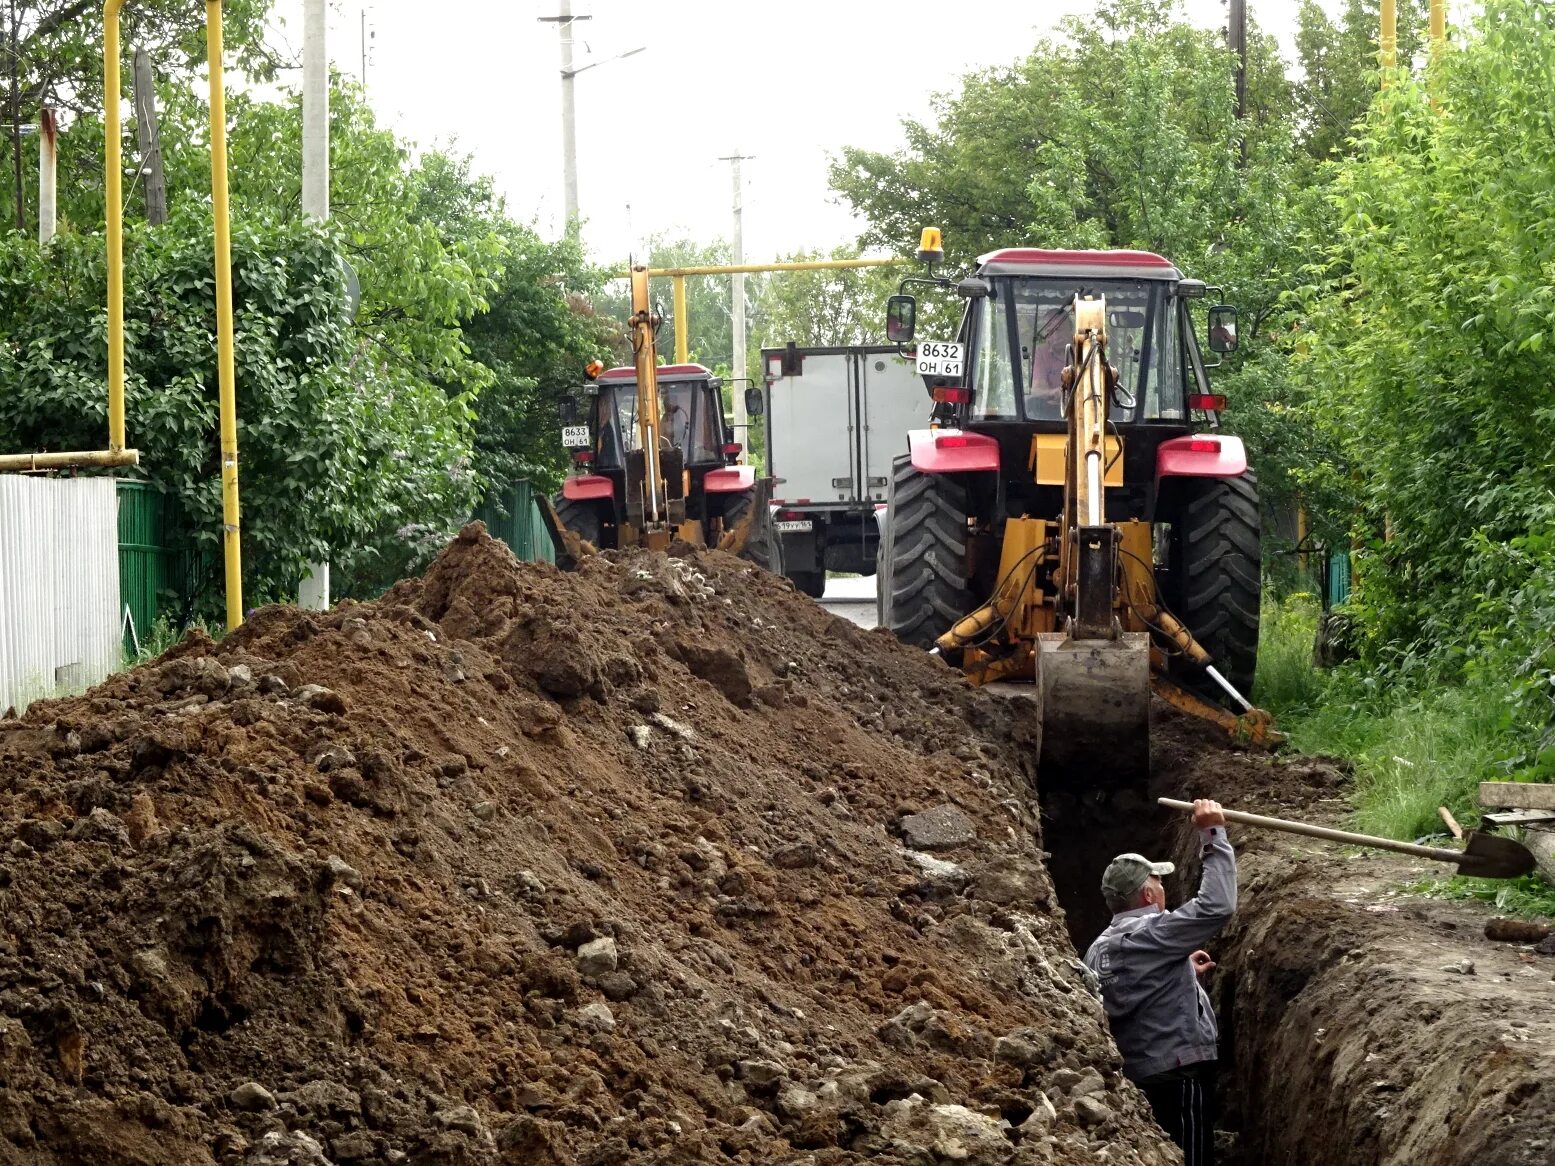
(790, 84)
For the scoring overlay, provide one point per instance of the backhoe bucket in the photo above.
(1095, 710)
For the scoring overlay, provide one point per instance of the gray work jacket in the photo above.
(1160, 1017)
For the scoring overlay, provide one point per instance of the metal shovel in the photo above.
(1487, 856)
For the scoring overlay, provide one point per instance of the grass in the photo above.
(1286, 683)
(164, 633)
(1411, 751)
(1528, 897)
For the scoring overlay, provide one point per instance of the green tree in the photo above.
(1122, 132)
(830, 307)
(1339, 64)
(432, 389)
(59, 62)
(1432, 343)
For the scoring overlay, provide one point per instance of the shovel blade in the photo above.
(1489, 856)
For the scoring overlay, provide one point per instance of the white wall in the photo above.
(59, 586)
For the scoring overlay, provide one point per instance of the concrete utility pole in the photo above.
(150, 139)
(48, 156)
(16, 119)
(313, 591)
(738, 306)
(564, 21)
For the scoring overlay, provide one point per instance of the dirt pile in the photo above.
(652, 861)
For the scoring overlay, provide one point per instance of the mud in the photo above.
(527, 867)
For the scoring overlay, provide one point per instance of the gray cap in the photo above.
(1126, 873)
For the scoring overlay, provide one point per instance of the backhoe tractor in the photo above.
(1071, 515)
(654, 459)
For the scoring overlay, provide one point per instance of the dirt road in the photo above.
(852, 599)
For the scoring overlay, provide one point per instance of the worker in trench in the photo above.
(1149, 961)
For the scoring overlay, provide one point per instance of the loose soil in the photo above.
(520, 866)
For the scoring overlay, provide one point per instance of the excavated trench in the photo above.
(1359, 1025)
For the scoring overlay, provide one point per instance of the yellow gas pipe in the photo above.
(115, 454)
(226, 365)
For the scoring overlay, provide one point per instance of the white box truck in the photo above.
(835, 418)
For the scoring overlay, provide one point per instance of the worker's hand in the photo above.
(1202, 964)
(1207, 813)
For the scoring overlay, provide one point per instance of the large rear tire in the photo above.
(582, 518)
(920, 582)
(1216, 570)
(763, 546)
(812, 583)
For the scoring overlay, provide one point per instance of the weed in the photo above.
(1286, 683)
(1527, 897)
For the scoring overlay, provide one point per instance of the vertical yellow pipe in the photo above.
(231, 543)
(113, 171)
(1438, 27)
(682, 323)
(1389, 42)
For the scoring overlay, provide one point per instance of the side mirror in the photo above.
(571, 409)
(755, 402)
(901, 319)
(1222, 328)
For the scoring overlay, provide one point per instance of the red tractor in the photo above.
(654, 459)
(1071, 514)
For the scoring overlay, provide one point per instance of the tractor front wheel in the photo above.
(920, 578)
(582, 518)
(1216, 578)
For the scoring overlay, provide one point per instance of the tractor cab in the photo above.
(1017, 334)
(705, 491)
(691, 419)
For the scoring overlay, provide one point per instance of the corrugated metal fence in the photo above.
(514, 517)
(59, 586)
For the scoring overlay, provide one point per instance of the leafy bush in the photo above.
(339, 450)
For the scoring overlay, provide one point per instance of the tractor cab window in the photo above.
(615, 425)
(1033, 319)
(688, 421)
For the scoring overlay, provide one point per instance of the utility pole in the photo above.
(16, 119)
(313, 591)
(48, 155)
(563, 21)
(150, 138)
(1236, 41)
(738, 312)
(367, 39)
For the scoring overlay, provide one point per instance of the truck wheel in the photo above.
(764, 546)
(1217, 579)
(582, 518)
(812, 583)
(920, 583)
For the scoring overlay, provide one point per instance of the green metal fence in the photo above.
(1338, 581)
(145, 559)
(514, 517)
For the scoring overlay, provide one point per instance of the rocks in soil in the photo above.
(945, 827)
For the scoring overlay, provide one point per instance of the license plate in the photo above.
(575, 436)
(939, 358)
(801, 526)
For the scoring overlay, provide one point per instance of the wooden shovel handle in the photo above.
(1438, 853)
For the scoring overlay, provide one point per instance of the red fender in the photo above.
(730, 480)
(587, 486)
(951, 451)
(1201, 455)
